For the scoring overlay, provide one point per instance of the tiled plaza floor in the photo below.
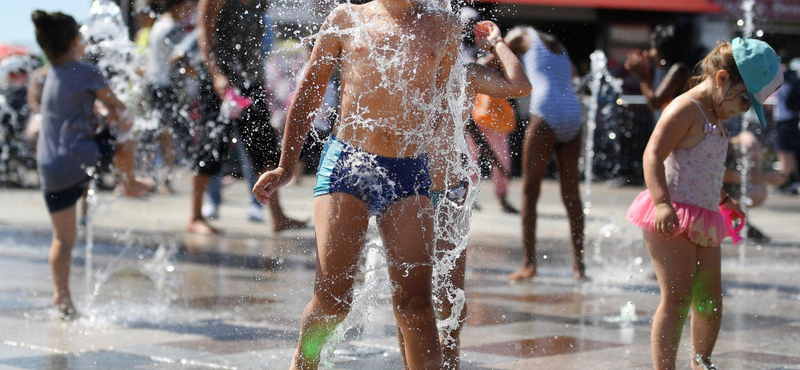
(162, 300)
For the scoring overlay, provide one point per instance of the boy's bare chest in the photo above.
(391, 45)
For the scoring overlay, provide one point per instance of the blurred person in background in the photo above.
(785, 136)
(555, 126)
(231, 35)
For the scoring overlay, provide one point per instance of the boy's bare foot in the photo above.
(200, 226)
(138, 188)
(526, 272)
(288, 224)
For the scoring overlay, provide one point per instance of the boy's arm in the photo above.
(207, 25)
(452, 43)
(307, 100)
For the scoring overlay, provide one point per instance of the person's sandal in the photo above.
(705, 365)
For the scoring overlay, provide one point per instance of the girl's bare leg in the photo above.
(407, 231)
(706, 303)
(567, 160)
(340, 227)
(674, 261)
(64, 234)
(539, 143)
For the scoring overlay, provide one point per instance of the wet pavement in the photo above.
(160, 299)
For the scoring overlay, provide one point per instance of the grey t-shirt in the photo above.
(66, 144)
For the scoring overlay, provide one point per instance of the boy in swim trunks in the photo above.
(395, 58)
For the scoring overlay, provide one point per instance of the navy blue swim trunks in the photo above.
(377, 181)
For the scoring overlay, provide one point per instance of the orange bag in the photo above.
(493, 113)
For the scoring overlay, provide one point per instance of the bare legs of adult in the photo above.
(341, 223)
(539, 143)
(279, 220)
(61, 259)
(197, 224)
(689, 278)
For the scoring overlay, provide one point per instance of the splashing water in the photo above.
(744, 201)
(115, 54)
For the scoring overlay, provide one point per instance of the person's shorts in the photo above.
(786, 135)
(64, 199)
(252, 127)
(377, 181)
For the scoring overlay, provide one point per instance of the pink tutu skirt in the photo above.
(704, 227)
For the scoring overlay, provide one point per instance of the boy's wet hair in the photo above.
(719, 59)
(55, 32)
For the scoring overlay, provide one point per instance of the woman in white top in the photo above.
(555, 124)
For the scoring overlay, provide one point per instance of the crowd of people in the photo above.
(383, 73)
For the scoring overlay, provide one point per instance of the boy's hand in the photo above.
(666, 221)
(487, 34)
(269, 182)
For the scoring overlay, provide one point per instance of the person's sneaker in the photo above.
(255, 214)
(790, 188)
(756, 235)
(507, 208)
(210, 211)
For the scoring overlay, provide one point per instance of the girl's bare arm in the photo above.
(669, 131)
(511, 82)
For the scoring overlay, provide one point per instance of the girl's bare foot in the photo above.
(698, 363)
(288, 224)
(579, 272)
(66, 310)
(200, 226)
(526, 272)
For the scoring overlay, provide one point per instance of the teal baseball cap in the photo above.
(760, 68)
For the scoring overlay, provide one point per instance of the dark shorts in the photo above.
(377, 181)
(786, 135)
(252, 127)
(64, 199)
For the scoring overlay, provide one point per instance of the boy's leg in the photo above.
(407, 231)
(706, 303)
(567, 156)
(539, 143)
(340, 228)
(451, 348)
(61, 257)
(674, 261)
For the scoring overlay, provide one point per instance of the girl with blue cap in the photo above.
(684, 163)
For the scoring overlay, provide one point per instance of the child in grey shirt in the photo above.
(68, 149)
